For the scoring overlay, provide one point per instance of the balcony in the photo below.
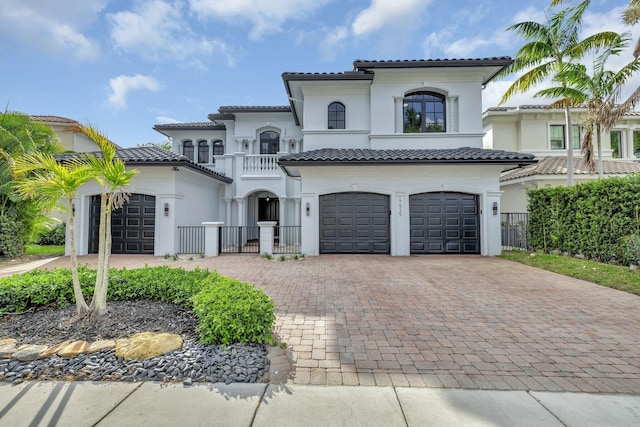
(260, 165)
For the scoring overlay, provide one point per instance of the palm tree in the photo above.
(631, 16)
(597, 92)
(44, 180)
(111, 174)
(551, 46)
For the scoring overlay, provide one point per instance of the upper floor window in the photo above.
(187, 149)
(557, 137)
(424, 112)
(336, 116)
(616, 144)
(269, 142)
(203, 152)
(218, 147)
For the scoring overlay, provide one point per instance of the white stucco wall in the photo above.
(193, 198)
(399, 183)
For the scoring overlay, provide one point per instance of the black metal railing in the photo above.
(240, 239)
(515, 230)
(287, 240)
(190, 239)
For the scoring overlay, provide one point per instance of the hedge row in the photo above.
(596, 219)
(228, 310)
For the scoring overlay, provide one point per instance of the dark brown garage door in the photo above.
(354, 222)
(444, 223)
(132, 226)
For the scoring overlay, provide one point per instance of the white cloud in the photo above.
(165, 120)
(52, 26)
(122, 85)
(264, 16)
(158, 29)
(330, 44)
(383, 12)
(465, 47)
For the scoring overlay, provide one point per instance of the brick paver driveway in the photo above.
(444, 321)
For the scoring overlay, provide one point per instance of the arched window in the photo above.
(218, 147)
(269, 142)
(336, 116)
(203, 151)
(424, 112)
(187, 149)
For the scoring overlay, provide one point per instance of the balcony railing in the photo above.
(260, 164)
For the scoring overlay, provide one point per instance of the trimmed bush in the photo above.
(53, 236)
(12, 230)
(233, 311)
(228, 310)
(589, 219)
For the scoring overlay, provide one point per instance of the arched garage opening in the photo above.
(444, 223)
(132, 226)
(354, 223)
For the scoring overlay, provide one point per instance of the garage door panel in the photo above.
(359, 223)
(132, 226)
(450, 222)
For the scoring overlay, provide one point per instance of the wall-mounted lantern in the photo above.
(308, 209)
(166, 209)
(495, 208)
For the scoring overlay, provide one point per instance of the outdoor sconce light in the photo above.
(166, 209)
(495, 208)
(73, 209)
(308, 209)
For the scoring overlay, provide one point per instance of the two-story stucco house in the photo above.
(387, 158)
(539, 130)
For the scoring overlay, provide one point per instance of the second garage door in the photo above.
(354, 222)
(444, 223)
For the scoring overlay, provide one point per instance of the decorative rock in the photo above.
(74, 349)
(5, 341)
(143, 345)
(101, 345)
(54, 349)
(6, 350)
(29, 352)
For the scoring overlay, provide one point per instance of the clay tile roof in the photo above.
(558, 166)
(54, 119)
(254, 109)
(154, 156)
(367, 156)
(188, 126)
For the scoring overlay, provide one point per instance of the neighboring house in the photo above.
(539, 130)
(68, 137)
(387, 158)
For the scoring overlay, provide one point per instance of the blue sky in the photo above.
(125, 66)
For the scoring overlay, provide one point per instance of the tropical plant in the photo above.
(43, 180)
(596, 92)
(550, 48)
(631, 16)
(111, 174)
(20, 134)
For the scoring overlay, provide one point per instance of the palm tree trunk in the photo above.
(101, 253)
(599, 139)
(569, 141)
(81, 304)
(99, 302)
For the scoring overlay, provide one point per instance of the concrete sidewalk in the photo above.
(152, 404)
(9, 270)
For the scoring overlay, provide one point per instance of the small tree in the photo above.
(111, 174)
(44, 180)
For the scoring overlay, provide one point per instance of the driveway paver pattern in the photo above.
(440, 321)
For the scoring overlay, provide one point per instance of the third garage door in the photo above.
(444, 223)
(354, 222)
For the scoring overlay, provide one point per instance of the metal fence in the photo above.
(515, 230)
(287, 240)
(191, 239)
(240, 239)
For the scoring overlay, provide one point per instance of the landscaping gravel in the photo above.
(195, 362)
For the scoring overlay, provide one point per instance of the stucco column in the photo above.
(309, 224)
(282, 215)
(228, 201)
(212, 238)
(491, 236)
(242, 211)
(296, 219)
(267, 234)
(629, 143)
(400, 226)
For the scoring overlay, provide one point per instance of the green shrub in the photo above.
(232, 311)
(629, 252)
(52, 236)
(12, 230)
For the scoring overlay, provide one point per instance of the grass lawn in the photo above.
(612, 276)
(53, 250)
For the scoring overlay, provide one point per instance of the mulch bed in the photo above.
(51, 324)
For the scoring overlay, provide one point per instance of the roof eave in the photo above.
(298, 163)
